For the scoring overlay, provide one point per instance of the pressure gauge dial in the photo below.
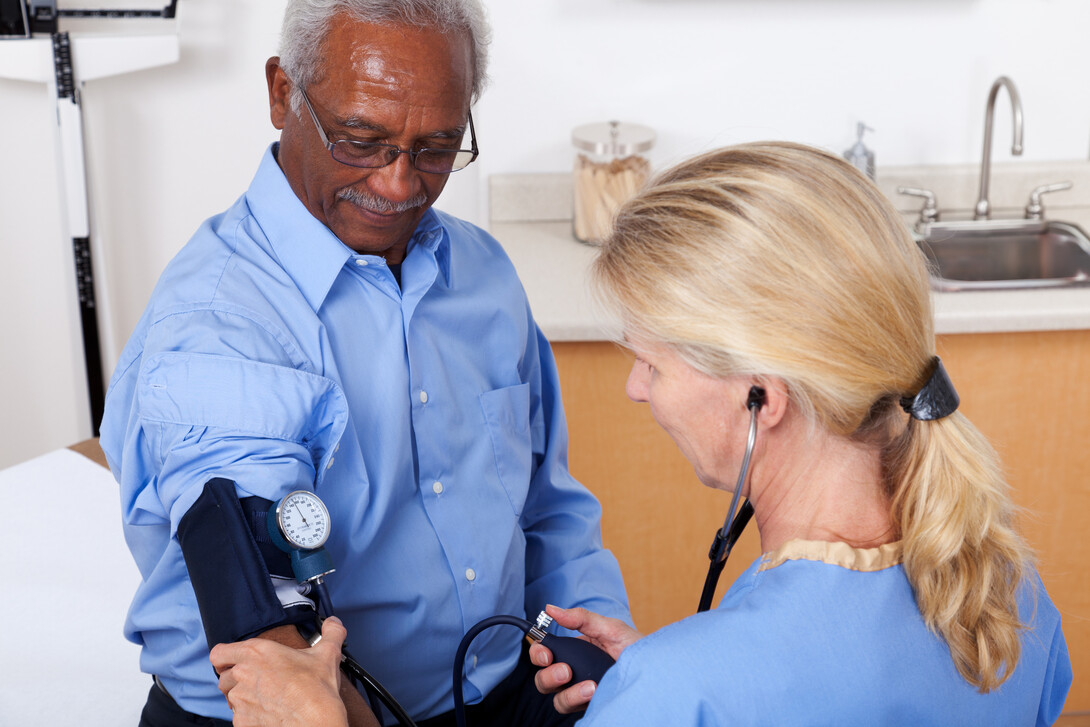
(303, 520)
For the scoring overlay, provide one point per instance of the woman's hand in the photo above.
(267, 683)
(608, 634)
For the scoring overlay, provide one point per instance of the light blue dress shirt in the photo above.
(427, 417)
(831, 640)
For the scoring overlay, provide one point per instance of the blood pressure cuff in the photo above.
(235, 568)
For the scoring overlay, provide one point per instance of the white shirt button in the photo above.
(474, 661)
(437, 487)
(329, 463)
(423, 397)
(361, 262)
(470, 574)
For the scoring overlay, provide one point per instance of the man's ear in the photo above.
(776, 401)
(279, 92)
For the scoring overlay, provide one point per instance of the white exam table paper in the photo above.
(67, 588)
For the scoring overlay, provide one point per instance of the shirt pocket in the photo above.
(507, 418)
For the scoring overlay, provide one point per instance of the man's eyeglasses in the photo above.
(372, 155)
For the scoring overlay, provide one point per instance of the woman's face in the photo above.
(705, 416)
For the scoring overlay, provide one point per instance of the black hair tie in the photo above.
(937, 398)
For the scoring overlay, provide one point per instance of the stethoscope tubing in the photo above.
(721, 547)
(743, 473)
(733, 524)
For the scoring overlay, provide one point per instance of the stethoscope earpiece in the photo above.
(756, 398)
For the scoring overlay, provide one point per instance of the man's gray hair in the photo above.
(306, 25)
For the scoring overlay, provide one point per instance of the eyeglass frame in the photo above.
(413, 153)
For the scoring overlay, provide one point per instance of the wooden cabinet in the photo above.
(1025, 391)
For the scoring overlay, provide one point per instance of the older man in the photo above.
(331, 332)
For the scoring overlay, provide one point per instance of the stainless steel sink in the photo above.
(1005, 254)
(986, 254)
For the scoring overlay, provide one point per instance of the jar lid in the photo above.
(613, 138)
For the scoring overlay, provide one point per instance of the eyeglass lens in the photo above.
(362, 154)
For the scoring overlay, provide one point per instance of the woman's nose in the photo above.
(636, 386)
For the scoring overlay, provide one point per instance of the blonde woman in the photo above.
(893, 587)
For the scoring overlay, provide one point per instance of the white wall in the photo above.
(171, 146)
(713, 72)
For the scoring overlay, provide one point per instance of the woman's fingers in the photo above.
(609, 634)
(575, 698)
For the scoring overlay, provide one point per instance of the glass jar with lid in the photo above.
(611, 165)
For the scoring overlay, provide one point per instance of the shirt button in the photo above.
(471, 574)
(423, 397)
(474, 661)
(361, 262)
(437, 487)
(329, 463)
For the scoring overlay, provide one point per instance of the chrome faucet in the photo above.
(983, 207)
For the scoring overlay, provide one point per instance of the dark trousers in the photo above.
(162, 711)
(515, 702)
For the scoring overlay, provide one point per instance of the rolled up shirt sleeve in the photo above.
(267, 426)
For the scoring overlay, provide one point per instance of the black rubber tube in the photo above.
(460, 657)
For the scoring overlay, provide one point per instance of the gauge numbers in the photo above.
(303, 520)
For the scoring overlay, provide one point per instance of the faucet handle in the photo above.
(1034, 210)
(930, 211)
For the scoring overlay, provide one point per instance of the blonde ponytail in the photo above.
(962, 555)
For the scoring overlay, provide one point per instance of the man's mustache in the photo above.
(375, 203)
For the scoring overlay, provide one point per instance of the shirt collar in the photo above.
(841, 554)
(308, 250)
(432, 235)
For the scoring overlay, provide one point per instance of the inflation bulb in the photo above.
(586, 660)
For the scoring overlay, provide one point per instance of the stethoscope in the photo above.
(728, 535)
(304, 538)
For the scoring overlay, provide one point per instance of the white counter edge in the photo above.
(531, 219)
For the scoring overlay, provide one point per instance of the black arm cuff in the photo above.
(229, 558)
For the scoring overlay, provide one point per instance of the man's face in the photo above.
(394, 84)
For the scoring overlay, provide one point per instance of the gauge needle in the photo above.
(302, 516)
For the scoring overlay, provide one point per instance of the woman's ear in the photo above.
(776, 401)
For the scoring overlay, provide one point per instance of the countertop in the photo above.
(531, 217)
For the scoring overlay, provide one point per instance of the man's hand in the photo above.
(609, 634)
(270, 683)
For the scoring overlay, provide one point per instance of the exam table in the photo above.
(65, 660)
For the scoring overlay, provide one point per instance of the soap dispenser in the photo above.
(859, 156)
